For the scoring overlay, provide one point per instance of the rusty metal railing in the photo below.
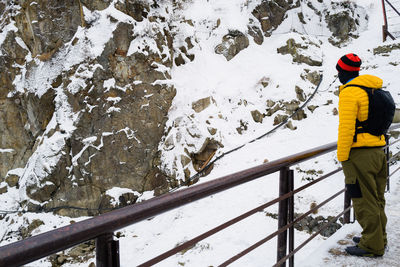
(101, 228)
(385, 27)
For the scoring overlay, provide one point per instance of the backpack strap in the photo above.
(360, 124)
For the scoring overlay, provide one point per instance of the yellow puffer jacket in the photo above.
(353, 103)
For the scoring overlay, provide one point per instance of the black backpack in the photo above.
(381, 110)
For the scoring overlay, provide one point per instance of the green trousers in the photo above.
(365, 177)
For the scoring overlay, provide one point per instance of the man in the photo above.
(362, 158)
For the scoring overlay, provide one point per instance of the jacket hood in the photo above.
(365, 80)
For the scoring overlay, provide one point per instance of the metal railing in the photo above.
(101, 228)
(385, 26)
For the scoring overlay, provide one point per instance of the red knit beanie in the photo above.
(349, 62)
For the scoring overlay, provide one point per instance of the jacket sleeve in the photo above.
(348, 110)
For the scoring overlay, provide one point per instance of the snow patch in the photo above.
(108, 84)
(116, 192)
(6, 150)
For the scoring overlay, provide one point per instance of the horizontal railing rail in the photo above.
(193, 241)
(45, 244)
(385, 26)
(102, 227)
(281, 261)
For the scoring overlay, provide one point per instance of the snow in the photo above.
(228, 83)
(107, 84)
(90, 44)
(49, 149)
(116, 192)
(6, 150)
(391, 258)
(3, 35)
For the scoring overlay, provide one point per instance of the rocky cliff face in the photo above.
(77, 122)
(85, 92)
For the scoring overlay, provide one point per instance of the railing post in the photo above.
(384, 33)
(387, 152)
(384, 26)
(291, 217)
(347, 203)
(107, 251)
(283, 214)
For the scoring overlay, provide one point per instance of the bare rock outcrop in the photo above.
(18, 125)
(93, 125)
(270, 14)
(345, 22)
(81, 114)
(46, 25)
(232, 44)
(296, 50)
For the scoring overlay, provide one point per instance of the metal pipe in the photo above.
(311, 237)
(385, 31)
(384, 26)
(115, 253)
(103, 249)
(194, 240)
(42, 245)
(282, 214)
(384, 14)
(390, 4)
(393, 172)
(291, 217)
(281, 230)
(48, 243)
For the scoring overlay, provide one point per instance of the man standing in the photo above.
(362, 158)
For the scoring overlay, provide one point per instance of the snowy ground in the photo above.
(342, 238)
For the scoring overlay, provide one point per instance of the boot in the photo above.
(356, 251)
